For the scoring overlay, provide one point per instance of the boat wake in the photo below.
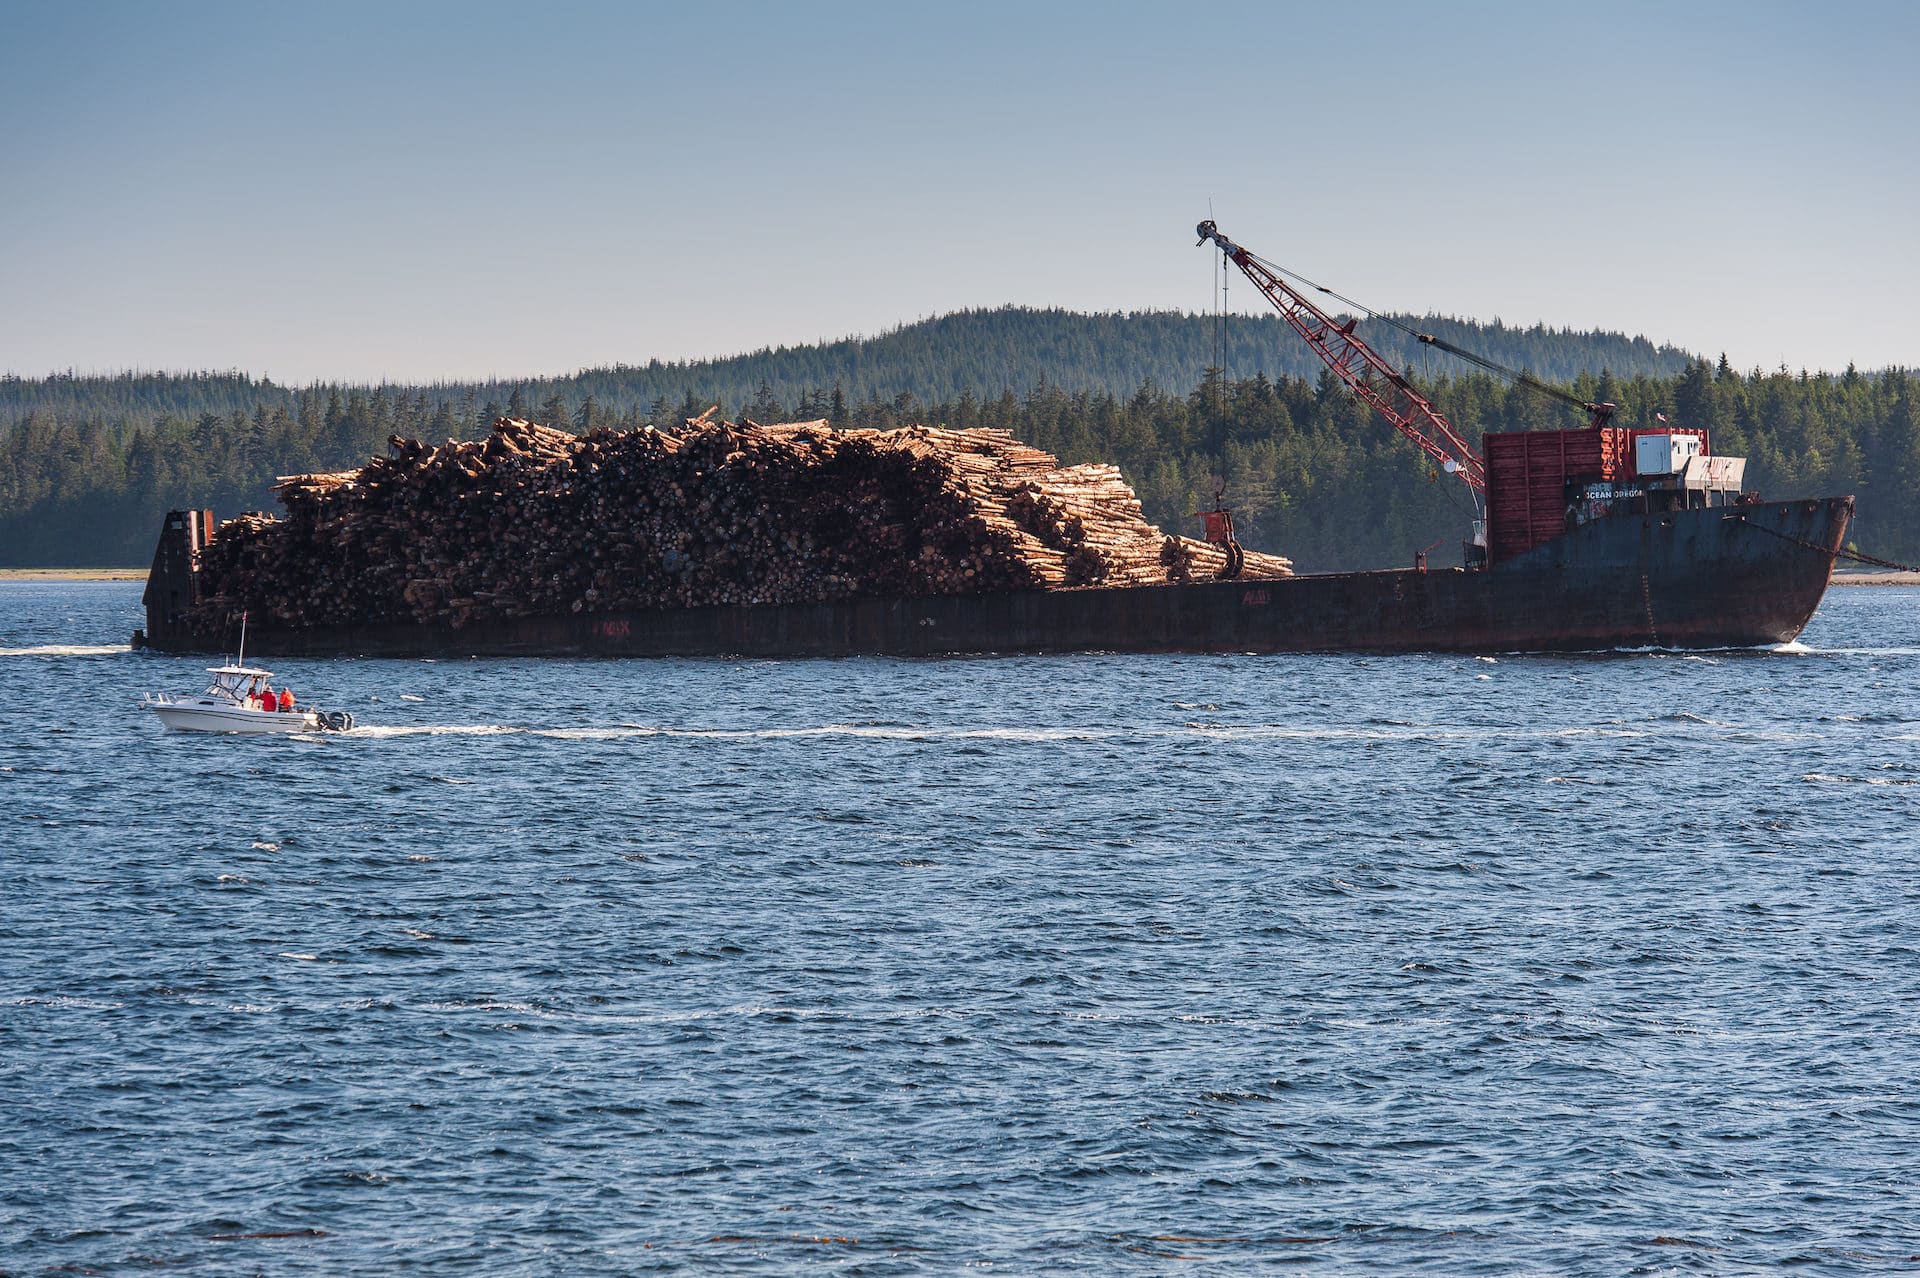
(380, 732)
(67, 650)
(627, 731)
(1197, 730)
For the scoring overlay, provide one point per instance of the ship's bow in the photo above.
(1738, 576)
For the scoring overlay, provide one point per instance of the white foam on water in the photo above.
(1199, 1018)
(67, 650)
(751, 1011)
(922, 733)
(488, 1005)
(1823, 778)
(1036, 734)
(383, 731)
(597, 734)
(1692, 654)
(873, 733)
(1599, 732)
(67, 1001)
(1861, 652)
(892, 732)
(1289, 732)
(1687, 716)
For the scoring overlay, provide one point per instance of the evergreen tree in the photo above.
(764, 408)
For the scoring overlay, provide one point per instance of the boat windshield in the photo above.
(235, 683)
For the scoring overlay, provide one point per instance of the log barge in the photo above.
(1582, 556)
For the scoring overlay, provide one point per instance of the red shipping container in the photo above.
(1527, 476)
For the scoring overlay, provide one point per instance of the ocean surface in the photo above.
(1099, 964)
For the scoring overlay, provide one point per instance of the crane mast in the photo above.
(1360, 367)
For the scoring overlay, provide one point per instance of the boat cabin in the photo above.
(239, 684)
(1542, 484)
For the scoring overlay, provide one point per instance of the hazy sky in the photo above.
(420, 190)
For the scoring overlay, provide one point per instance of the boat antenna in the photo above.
(241, 660)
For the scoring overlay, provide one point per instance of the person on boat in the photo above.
(286, 701)
(267, 700)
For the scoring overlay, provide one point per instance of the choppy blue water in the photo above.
(1093, 964)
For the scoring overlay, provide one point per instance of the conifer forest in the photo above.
(1191, 408)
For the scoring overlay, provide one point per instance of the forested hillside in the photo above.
(87, 465)
(984, 352)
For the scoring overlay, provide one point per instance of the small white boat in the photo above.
(235, 702)
(241, 699)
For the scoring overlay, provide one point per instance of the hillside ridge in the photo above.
(978, 352)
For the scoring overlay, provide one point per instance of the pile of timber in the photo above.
(535, 521)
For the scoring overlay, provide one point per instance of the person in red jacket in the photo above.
(267, 699)
(286, 700)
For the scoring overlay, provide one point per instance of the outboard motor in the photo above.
(336, 720)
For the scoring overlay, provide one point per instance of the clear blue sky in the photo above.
(425, 190)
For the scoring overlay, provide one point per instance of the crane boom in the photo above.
(1358, 365)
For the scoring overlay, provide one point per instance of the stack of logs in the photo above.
(535, 521)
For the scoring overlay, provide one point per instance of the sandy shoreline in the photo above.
(1876, 577)
(73, 574)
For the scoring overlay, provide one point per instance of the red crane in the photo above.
(1367, 375)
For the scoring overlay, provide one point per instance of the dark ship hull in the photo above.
(1714, 577)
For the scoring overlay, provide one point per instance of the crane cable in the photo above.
(1368, 311)
(1425, 340)
(1216, 390)
(1428, 339)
